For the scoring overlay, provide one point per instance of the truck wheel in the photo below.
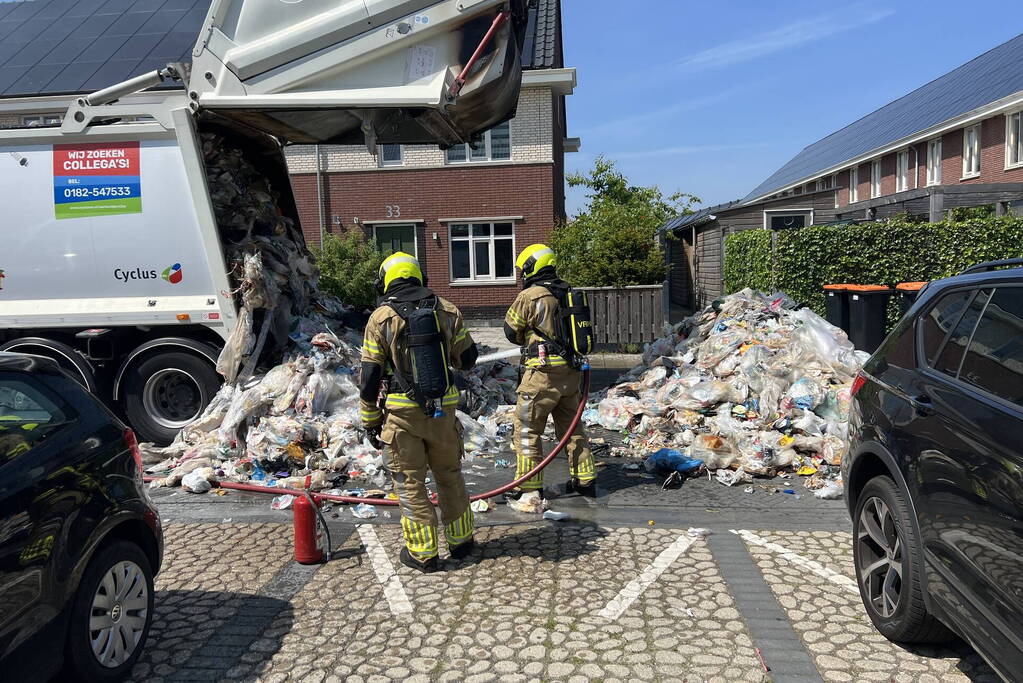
(110, 614)
(166, 391)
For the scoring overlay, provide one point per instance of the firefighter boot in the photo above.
(428, 567)
(587, 489)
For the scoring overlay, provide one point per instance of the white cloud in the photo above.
(785, 37)
(637, 120)
(680, 150)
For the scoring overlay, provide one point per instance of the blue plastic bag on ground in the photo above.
(671, 460)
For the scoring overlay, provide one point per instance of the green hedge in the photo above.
(881, 252)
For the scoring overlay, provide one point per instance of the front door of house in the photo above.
(392, 238)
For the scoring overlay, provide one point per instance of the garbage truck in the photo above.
(110, 258)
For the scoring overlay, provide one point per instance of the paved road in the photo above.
(606, 596)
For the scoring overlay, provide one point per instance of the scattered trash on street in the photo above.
(531, 502)
(364, 511)
(556, 516)
(753, 385)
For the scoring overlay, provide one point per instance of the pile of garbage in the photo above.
(288, 412)
(753, 385)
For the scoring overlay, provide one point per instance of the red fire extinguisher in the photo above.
(310, 536)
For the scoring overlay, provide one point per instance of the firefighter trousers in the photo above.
(418, 444)
(554, 392)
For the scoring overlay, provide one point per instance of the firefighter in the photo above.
(408, 403)
(551, 380)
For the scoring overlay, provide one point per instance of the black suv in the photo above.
(80, 541)
(935, 470)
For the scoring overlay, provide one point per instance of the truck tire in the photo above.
(163, 392)
(110, 614)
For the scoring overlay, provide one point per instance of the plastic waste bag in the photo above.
(670, 460)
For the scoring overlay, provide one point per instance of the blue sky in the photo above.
(712, 97)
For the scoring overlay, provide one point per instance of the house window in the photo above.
(825, 183)
(854, 181)
(44, 120)
(1014, 140)
(494, 146)
(971, 152)
(785, 220)
(391, 155)
(934, 162)
(875, 179)
(902, 171)
(482, 251)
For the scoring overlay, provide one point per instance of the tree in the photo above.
(614, 242)
(348, 267)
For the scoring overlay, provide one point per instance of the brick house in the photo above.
(954, 142)
(465, 213)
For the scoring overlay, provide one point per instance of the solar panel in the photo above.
(67, 46)
(993, 75)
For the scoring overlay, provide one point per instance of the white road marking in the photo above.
(397, 598)
(626, 596)
(795, 558)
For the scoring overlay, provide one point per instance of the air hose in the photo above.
(560, 446)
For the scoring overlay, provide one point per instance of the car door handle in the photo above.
(922, 404)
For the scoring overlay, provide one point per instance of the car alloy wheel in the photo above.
(118, 617)
(880, 557)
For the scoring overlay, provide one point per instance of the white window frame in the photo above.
(902, 170)
(825, 183)
(1014, 120)
(486, 142)
(934, 161)
(876, 179)
(474, 279)
(41, 120)
(967, 171)
(771, 213)
(854, 182)
(386, 164)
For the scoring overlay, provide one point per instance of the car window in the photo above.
(939, 320)
(951, 354)
(994, 360)
(29, 414)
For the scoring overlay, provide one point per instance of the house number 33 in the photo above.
(393, 211)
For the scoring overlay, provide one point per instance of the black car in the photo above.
(80, 542)
(935, 470)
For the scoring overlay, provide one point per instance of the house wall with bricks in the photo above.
(528, 190)
(992, 163)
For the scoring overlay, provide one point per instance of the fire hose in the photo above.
(560, 446)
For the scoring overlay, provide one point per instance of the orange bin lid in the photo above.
(910, 286)
(837, 288)
(868, 288)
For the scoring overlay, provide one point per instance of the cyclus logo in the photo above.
(173, 274)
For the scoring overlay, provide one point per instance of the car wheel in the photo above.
(110, 614)
(888, 562)
(165, 392)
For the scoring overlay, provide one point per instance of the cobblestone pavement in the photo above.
(576, 601)
(831, 621)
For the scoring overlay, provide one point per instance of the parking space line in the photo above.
(795, 558)
(626, 596)
(394, 591)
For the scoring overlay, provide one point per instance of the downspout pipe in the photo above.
(319, 192)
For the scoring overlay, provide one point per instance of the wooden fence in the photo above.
(627, 315)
